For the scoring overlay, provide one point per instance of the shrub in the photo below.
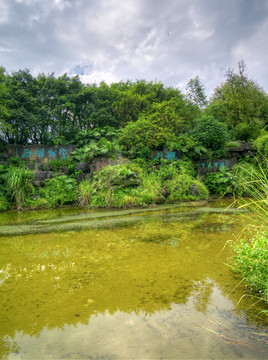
(223, 182)
(59, 191)
(251, 260)
(180, 188)
(107, 181)
(4, 203)
(209, 132)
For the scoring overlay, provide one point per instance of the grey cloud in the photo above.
(114, 40)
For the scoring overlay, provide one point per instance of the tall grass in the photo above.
(84, 192)
(251, 254)
(19, 184)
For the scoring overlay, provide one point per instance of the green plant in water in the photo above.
(251, 255)
(19, 184)
(251, 260)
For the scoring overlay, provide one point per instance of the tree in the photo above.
(196, 92)
(3, 108)
(241, 103)
(157, 128)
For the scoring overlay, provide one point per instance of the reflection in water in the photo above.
(151, 290)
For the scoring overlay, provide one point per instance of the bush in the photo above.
(184, 188)
(223, 182)
(209, 132)
(106, 182)
(59, 191)
(251, 260)
(4, 203)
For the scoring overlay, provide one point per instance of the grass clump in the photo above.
(19, 184)
(251, 255)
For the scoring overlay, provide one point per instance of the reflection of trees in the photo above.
(50, 281)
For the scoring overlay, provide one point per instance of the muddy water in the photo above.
(158, 288)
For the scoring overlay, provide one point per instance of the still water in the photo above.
(158, 287)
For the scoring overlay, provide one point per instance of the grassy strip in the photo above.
(131, 212)
(97, 223)
(105, 214)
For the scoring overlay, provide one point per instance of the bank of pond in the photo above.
(142, 283)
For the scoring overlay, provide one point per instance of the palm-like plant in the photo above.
(19, 184)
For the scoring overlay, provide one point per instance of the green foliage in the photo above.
(4, 202)
(241, 104)
(253, 179)
(59, 191)
(156, 128)
(103, 147)
(85, 137)
(19, 184)
(180, 189)
(106, 182)
(251, 261)
(59, 163)
(189, 147)
(223, 183)
(209, 132)
(261, 143)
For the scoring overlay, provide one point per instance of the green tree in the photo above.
(196, 92)
(158, 127)
(241, 103)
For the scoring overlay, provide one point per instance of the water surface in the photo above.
(156, 288)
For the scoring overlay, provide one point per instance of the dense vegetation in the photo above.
(134, 119)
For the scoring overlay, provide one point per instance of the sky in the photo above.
(168, 41)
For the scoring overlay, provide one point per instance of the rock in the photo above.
(46, 167)
(83, 166)
(194, 190)
(43, 175)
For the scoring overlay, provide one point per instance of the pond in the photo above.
(135, 285)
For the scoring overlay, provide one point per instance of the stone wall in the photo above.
(40, 153)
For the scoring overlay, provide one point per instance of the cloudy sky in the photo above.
(164, 40)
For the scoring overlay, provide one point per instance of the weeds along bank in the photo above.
(116, 182)
(251, 249)
(116, 186)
